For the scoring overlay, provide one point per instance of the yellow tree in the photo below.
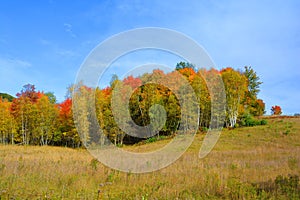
(7, 123)
(47, 116)
(201, 90)
(235, 88)
(82, 98)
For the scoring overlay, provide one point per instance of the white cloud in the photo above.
(13, 62)
(14, 73)
(66, 53)
(68, 29)
(45, 42)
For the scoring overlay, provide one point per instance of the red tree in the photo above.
(132, 82)
(276, 110)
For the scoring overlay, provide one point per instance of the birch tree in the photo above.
(235, 88)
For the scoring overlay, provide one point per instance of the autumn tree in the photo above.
(7, 123)
(24, 110)
(46, 119)
(67, 135)
(155, 102)
(235, 87)
(82, 98)
(276, 110)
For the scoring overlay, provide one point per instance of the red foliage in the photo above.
(276, 110)
(107, 91)
(132, 82)
(40, 94)
(65, 108)
(29, 92)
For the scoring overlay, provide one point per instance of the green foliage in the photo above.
(94, 164)
(182, 65)
(151, 139)
(263, 122)
(6, 96)
(204, 129)
(253, 82)
(288, 186)
(249, 120)
(288, 128)
(253, 105)
(283, 187)
(51, 97)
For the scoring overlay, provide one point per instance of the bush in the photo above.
(204, 129)
(289, 186)
(151, 139)
(249, 120)
(281, 188)
(263, 122)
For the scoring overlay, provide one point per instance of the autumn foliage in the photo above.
(35, 118)
(276, 110)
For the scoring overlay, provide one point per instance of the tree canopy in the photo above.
(35, 117)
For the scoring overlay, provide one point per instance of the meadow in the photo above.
(261, 162)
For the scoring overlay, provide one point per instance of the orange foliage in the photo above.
(132, 82)
(276, 110)
(65, 108)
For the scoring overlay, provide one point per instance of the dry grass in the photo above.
(241, 157)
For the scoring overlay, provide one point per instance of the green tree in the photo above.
(51, 97)
(253, 105)
(253, 82)
(182, 65)
(7, 96)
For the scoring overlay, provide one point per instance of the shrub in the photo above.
(263, 122)
(249, 120)
(281, 188)
(204, 129)
(151, 139)
(288, 186)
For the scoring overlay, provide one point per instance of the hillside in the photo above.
(7, 96)
(243, 165)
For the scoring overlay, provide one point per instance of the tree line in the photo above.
(35, 118)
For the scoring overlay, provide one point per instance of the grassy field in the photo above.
(261, 162)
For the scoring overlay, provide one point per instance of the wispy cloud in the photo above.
(68, 29)
(14, 73)
(45, 42)
(56, 50)
(66, 53)
(15, 63)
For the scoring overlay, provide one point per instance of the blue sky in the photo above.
(45, 42)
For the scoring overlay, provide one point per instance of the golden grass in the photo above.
(241, 156)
